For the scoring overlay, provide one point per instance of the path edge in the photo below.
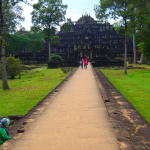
(131, 130)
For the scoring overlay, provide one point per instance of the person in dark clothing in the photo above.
(81, 63)
(4, 136)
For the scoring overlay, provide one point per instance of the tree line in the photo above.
(24, 41)
(134, 16)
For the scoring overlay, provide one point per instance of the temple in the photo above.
(87, 37)
(98, 41)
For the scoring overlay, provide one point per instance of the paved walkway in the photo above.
(76, 119)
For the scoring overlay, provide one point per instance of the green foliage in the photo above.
(141, 47)
(116, 9)
(119, 27)
(49, 32)
(136, 15)
(13, 66)
(67, 69)
(27, 92)
(48, 13)
(144, 48)
(55, 61)
(11, 14)
(67, 27)
(134, 86)
(56, 58)
(55, 40)
(35, 29)
(25, 41)
(112, 8)
(141, 22)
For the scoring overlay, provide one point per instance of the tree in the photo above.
(13, 66)
(47, 14)
(25, 41)
(2, 48)
(55, 61)
(142, 23)
(144, 49)
(119, 27)
(116, 9)
(139, 25)
(67, 26)
(9, 17)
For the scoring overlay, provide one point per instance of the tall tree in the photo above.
(48, 14)
(9, 15)
(142, 22)
(115, 9)
(2, 48)
(119, 27)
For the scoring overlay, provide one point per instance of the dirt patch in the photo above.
(132, 131)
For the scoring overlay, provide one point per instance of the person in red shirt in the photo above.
(85, 62)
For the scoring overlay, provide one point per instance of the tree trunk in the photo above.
(125, 44)
(134, 50)
(2, 48)
(141, 59)
(49, 43)
(91, 55)
(4, 72)
(49, 50)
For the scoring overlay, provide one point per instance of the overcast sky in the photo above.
(76, 8)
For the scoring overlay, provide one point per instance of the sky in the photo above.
(76, 8)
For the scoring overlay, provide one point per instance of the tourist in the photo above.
(81, 63)
(85, 62)
(4, 136)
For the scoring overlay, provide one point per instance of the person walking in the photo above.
(85, 62)
(81, 63)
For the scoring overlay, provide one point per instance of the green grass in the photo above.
(26, 92)
(135, 87)
(140, 65)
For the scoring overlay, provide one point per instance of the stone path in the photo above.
(75, 119)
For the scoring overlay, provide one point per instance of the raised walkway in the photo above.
(75, 119)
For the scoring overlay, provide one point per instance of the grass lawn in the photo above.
(26, 92)
(140, 65)
(135, 87)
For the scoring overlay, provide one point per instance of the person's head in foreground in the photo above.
(4, 136)
(5, 122)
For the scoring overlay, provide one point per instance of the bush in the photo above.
(67, 69)
(13, 66)
(55, 61)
